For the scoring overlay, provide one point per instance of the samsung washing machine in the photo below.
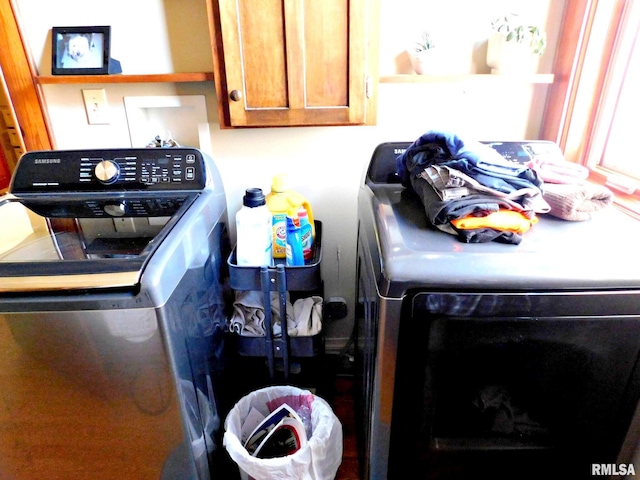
(112, 315)
(493, 359)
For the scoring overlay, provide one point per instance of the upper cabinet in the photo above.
(295, 62)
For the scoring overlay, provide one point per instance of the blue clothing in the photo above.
(502, 178)
(477, 160)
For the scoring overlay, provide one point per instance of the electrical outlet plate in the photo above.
(95, 103)
(335, 308)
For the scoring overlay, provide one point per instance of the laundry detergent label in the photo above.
(279, 235)
(306, 238)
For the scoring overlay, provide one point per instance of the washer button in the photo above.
(115, 209)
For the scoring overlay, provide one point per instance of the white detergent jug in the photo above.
(253, 230)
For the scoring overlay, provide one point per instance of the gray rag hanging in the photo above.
(304, 316)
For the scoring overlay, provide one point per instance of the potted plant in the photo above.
(514, 45)
(421, 54)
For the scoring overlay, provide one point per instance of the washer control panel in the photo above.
(155, 205)
(110, 170)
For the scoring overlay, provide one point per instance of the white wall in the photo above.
(324, 163)
(459, 29)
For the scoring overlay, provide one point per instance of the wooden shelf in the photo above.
(118, 78)
(470, 77)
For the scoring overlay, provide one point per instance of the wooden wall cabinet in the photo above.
(295, 62)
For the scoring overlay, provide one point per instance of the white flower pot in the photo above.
(509, 57)
(423, 62)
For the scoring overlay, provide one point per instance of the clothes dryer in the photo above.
(512, 361)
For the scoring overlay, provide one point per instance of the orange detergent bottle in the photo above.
(280, 201)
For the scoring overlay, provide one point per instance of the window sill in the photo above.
(627, 203)
(630, 204)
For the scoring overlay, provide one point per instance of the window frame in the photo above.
(590, 42)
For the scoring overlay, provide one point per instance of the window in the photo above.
(616, 156)
(614, 122)
(601, 102)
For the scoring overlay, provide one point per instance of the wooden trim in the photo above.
(373, 62)
(219, 69)
(143, 78)
(568, 63)
(19, 74)
(357, 73)
(294, 35)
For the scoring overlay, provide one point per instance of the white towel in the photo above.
(304, 317)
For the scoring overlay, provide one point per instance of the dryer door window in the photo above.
(519, 379)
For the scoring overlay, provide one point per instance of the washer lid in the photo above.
(78, 242)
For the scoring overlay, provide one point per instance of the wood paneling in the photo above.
(19, 74)
(322, 21)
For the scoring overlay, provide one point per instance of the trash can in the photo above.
(317, 459)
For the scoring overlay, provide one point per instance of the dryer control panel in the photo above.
(525, 151)
(146, 169)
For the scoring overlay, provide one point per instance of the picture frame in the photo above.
(80, 50)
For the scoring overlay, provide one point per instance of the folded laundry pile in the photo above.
(471, 191)
(467, 188)
(304, 316)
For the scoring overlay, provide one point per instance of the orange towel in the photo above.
(504, 220)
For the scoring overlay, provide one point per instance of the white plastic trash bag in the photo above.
(319, 459)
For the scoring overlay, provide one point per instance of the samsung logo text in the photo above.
(46, 161)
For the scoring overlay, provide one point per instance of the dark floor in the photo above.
(343, 407)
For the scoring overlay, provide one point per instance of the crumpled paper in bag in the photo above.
(319, 459)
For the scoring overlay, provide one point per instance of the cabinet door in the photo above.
(292, 62)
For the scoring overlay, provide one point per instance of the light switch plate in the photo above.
(95, 103)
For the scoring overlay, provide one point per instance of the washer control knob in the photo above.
(107, 171)
(115, 209)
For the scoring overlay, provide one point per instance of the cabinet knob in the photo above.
(235, 95)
